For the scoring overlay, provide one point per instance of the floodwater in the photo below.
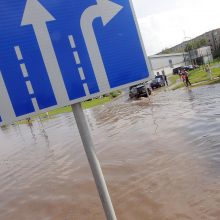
(161, 160)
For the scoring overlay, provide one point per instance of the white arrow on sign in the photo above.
(107, 10)
(37, 16)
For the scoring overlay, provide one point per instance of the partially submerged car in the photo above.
(140, 90)
(157, 83)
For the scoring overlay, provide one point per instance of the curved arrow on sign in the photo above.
(107, 10)
(37, 16)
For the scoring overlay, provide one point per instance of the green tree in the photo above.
(195, 44)
(188, 47)
(216, 53)
(201, 43)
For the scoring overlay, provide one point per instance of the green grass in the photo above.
(216, 72)
(210, 82)
(173, 79)
(198, 76)
(215, 62)
(96, 102)
(86, 105)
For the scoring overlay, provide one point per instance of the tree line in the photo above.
(191, 45)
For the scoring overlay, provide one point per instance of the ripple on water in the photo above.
(160, 157)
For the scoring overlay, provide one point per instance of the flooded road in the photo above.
(161, 160)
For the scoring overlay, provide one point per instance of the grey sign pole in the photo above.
(93, 161)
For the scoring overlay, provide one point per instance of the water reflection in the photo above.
(161, 159)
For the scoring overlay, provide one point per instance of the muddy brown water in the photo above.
(161, 160)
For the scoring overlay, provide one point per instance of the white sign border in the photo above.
(82, 99)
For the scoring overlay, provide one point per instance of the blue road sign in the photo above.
(56, 53)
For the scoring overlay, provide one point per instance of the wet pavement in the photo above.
(161, 160)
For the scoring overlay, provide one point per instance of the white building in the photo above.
(201, 56)
(165, 63)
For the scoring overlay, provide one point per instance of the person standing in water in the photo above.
(186, 77)
(165, 78)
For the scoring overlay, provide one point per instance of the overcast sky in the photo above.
(165, 23)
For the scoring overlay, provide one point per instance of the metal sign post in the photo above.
(93, 161)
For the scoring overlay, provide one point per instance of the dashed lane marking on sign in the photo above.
(78, 62)
(86, 88)
(35, 104)
(76, 56)
(18, 53)
(26, 75)
(24, 70)
(72, 42)
(30, 88)
(81, 73)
